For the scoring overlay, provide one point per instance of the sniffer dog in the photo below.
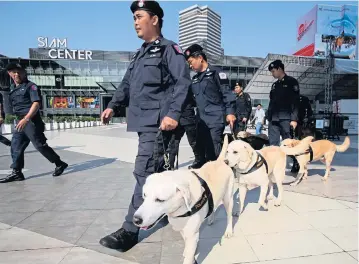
(256, 141)
(187, 198)
(322, 150)
(260, 168)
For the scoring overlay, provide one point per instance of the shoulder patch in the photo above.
(33, 87)
(177, 49)
(296, 88)
(273, 86)
(222, 75)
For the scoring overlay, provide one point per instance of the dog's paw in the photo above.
(270, 197)
(264, 206)
(294, 184)
(228, 233)
(277, 202)
(324, 178)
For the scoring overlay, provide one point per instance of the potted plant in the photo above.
(47, 121)
(92, 121)
(67, 122)
(61, 121)
(82, 123)
(55, 124)
(74, 122)
(9, 124)
(98, 121)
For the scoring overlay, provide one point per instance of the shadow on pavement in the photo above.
(87, 165)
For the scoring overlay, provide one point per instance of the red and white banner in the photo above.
(306, 29)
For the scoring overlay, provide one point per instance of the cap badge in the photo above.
(140, 3)
(188, 52)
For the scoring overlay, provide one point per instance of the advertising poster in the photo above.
(60, 102)
(87, 102)
(337, 31)
(306, 29)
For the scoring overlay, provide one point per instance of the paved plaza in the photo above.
(47, 220)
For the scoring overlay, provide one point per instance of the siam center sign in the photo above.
(57, 49)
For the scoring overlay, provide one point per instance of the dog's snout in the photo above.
(226, 161)
(137, 220)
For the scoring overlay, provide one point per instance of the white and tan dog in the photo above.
(252, 171)
(174, 193)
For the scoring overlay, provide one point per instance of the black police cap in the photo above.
(150, 6)
(13, 66)
(276, 64)
(192, 50)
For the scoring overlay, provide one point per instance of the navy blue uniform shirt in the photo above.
(23, 96)
(284, 100)
(155, 85)
(214, 98)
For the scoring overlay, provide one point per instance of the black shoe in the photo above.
(60, 169)
(196, 165)
(121, 240)
(16, 175)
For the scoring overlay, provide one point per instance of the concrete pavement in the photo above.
(60, 220)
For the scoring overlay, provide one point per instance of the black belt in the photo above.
(206, 197)
(310, 151)
(259, 163)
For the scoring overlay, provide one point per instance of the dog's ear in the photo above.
(186, 194)
(249, 151)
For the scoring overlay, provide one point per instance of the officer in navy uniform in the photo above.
(187, 124)
(215, 103)
(154, 88)
(283, 106)
(243, 109)
(25, 100)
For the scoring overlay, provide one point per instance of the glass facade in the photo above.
(84, 87)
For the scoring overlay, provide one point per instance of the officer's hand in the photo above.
(21, 125)
(1, 121)
(293, 124)
(168, 123)
(230, 119)
(106, 116)
(244, 120)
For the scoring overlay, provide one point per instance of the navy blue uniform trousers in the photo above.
(277, 129)
(150, 148)
(209, 141)
(34, 133)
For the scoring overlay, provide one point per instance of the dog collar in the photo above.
(310, 151)
(206, 197)
(259, 163)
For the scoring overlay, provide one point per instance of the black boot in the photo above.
(16, 175)
(60, 167)
(122, 240)
(196, 165)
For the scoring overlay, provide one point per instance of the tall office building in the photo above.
(201, 25)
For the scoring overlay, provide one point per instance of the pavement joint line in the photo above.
(34, 249)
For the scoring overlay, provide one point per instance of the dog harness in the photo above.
(259, 163)
(206, 197)
(310, 151)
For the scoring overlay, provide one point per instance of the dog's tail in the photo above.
(343, 147)
(302, 147)
(222, 155)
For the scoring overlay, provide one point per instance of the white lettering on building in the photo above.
(58, 49)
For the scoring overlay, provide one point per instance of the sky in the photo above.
(248, 28)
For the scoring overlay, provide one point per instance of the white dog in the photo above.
(262, 168)
(183, 198)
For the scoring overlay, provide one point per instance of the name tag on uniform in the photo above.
(209, 74)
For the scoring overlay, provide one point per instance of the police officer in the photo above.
(283, 105)
(154, 88)
(187, 124)
(25, 100)
(243, 109)
(215, 103)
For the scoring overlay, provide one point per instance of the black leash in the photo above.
(156, 155)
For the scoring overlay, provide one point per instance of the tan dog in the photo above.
(253, 172)
(323, 150)
(175, 193)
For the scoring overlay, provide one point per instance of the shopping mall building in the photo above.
(82, 82)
